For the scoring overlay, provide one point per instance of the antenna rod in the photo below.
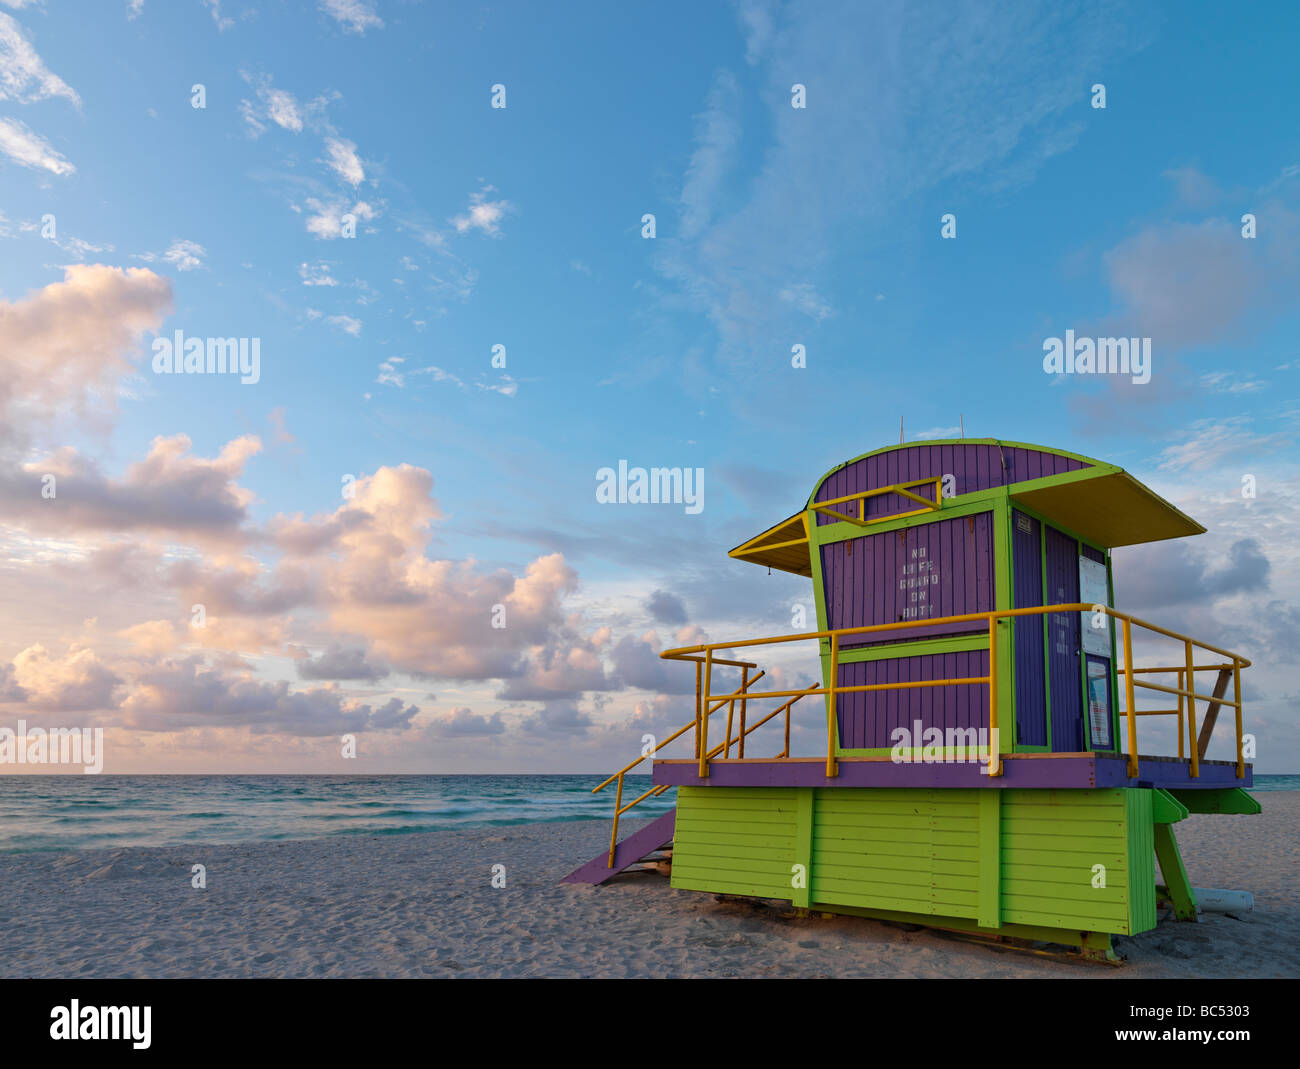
(962, 422)
(900, 430)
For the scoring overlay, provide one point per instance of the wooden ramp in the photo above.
(658, 833)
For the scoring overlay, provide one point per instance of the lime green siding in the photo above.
(1052, 843)
(738, 841)
(993, 857)
(911, 850)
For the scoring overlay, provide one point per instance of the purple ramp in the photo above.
(659, 832)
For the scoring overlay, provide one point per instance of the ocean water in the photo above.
(71, 812)
(85, 812)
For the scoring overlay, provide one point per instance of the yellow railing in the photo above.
(901, 489)
(1230, 672)
(1186, 694)
(743, 695)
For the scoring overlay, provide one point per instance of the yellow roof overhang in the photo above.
(1109, 510)
(784, 547)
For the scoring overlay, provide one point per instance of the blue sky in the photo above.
(522, 226)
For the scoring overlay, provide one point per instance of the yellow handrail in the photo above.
(680, 653)
(994, 769)
(1191, 711)
(707, 703)
(1186, 695)
(991, 619)
(1130, 701)
(742, 693)
(832, 766)
(680, 731)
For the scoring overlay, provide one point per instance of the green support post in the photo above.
(990, 858)
(1171, 867)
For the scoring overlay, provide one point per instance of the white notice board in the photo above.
(1093, 590)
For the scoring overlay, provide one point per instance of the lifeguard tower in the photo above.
(981, 767)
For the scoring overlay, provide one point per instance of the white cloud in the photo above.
(717, 140)
(78, 248)
(75, 681)
(355, 16)
(1218, 442)
(343, 160)
(326, 217)
(223, 24)
(804, 297)
(483, 214)
(936, 432)
(134, 8)
(317, 274)
(1230, 382)
(66, 345)
(913, 108)
(185, 255)
(424, 232)
(456, 283)
(756, 20)
(23, 74)
(275, 105)
(169, 491)
(23, 145)
(346, 324)
(441, 376)
(507, 387)
(283, 109)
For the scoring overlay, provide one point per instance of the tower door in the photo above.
(1065, 676)
(1031, 676)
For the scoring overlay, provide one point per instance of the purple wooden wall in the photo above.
(1031, 683)
(974, 467)
(935, 569)
(1063, 643)
(867, 718)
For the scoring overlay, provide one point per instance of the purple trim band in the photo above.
(1067, 770)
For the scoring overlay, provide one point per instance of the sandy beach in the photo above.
(425, 905)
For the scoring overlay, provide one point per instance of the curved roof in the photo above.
(1100, 502)
(950, 450)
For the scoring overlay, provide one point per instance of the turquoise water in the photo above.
(1276, 783)
(84, 812)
